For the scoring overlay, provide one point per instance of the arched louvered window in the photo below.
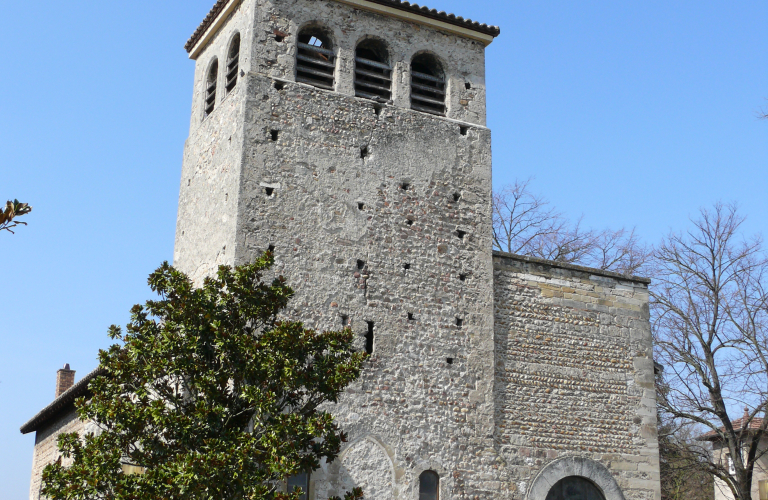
(427, 85)
(373, 74)
(315, 59)
(233, 63)
(429, 485)
(210, 87)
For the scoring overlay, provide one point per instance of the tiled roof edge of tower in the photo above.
(395, 4)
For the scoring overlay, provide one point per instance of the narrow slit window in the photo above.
(373, 74)
(210, 88)
(233, 63)
(429, 485)
(427, 85)
(315, 59)
(369, 338)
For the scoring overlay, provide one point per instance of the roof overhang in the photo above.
(62, 403)
(398, 9)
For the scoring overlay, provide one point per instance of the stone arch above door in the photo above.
(366, 464)
(583, 467)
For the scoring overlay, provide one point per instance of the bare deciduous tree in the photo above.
(526, 224)
(711, 332)
(682, 458)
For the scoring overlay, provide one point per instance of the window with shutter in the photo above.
(210, 87)
(315, 59)
(373, 74)
(427, 85)
(299, 480)
(429, 485)
(233, 63)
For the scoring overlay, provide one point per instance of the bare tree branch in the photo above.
(526, 224)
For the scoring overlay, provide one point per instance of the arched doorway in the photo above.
(575, 488)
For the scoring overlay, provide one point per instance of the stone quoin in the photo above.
(349, 137)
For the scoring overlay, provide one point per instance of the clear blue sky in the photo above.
(631, 113)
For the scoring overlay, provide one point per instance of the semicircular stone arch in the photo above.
(581, 467)
(367, 465)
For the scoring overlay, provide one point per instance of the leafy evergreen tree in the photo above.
(210, 396)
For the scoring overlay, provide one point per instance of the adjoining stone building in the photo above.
(349, 137)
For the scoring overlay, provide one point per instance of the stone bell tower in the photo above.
(349, 137)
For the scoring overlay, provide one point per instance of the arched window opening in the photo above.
(233, 63)
(315, 60)
(302, 481)
(373, 74)
(210, 87)
(575, 488)
(427, 85)
(429, 485)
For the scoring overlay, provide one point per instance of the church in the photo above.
(349, 137)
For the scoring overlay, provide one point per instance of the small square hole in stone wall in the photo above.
(360, 205)
(377, 109)
(410, 316)
(271, 248)
(456, 196)
(449, 361)
(461, 234)
(463, 130)
(363, 151)
(467, 85)
(270, 191)
(279, 38)
(409, 222)
(463, 277)
(273, 135)
(344, 320)
(406, 266)
(279, 85)
(360, 264)
(404, 186)
(459, 322)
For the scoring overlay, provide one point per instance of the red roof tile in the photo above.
(737, 424)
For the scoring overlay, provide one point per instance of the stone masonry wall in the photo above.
(574, 372)
(376, 239)
(46, 450)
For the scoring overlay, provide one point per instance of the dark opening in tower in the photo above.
(315, 59)
(233, 63)
(210, 87)
(427, 85)
(373, 74)
(369, 338)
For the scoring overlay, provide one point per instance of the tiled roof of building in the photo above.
(61, 404)
(395, 4)
(738, 424)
